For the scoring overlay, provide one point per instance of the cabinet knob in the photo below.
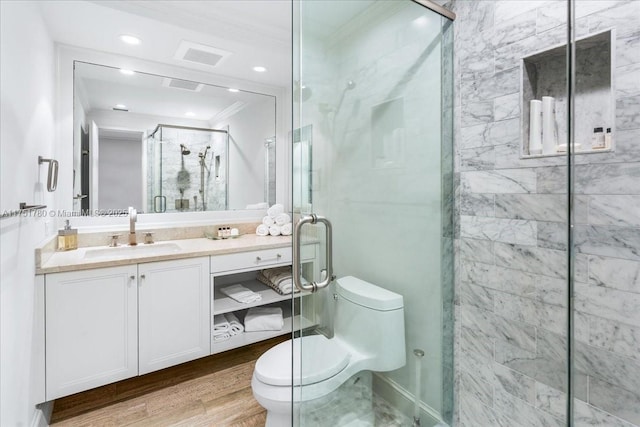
(132, 277)
(258, 259)
(142, 276)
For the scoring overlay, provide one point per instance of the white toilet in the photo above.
(368, 335)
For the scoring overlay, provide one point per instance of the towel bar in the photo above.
(52, 173)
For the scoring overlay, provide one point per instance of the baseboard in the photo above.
(402, 400)
(42, 415)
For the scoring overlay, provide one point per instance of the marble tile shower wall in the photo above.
(511, 239)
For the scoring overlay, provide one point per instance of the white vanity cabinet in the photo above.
(173, 304)
(91, 329)
(108, 324)
(104, 325)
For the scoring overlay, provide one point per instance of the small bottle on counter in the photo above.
(607, 138)
(67, 238)
(597, 141)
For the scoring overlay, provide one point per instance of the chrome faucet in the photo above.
(133, 217)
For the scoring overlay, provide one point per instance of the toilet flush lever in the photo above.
(297, 276)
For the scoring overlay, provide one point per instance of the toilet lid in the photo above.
(322, 359)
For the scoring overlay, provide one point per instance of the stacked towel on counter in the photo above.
(263, 319)
(282, 219)
(277, 222)
(241, 294)
(275, 210)
(286, 229)
(262, 230)
(221, 328)
(274, 230)
(279, 279)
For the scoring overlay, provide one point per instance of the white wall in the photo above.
(27, 89)
(248, 130)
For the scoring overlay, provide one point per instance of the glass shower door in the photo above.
(372, 195)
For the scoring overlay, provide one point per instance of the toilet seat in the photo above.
(323, 359)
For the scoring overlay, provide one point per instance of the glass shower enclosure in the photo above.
(373, 179)
(186, 169)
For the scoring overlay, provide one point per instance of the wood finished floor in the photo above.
(213, 391)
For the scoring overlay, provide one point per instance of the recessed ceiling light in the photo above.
(190, 114)
(127, 72)
(129, 39)
(259, 69)
(233, 90)
(121, 106)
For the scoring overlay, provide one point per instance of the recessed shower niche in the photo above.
(544, 75)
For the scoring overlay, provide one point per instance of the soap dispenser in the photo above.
(67, 238)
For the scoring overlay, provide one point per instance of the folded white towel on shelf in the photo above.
(263, 319)
(268, 221)
(220, 323)
(274, 230)
(275, 210)
(241, 294)
(261, 205)
(221, 336)
(262, 230)
(235, 327)
(286, 229)
(282, 219)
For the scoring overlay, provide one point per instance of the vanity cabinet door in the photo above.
(174, 312)
(91, 329)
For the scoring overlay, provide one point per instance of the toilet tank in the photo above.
(370, 319)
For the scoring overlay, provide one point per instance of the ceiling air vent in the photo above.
(200, 54)
(182, 84)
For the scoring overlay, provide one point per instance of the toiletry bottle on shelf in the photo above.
(67, 238)
(549, 126)
(535, 127)
(607, 138)
(597, 141)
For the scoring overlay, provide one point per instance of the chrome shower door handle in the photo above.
(297, 274)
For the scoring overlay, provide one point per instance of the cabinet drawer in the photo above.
(250, 260)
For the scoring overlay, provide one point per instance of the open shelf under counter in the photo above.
(224, 304)
(246, 338)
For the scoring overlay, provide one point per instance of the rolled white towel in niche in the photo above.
(535, 127)
(286, 229)
(235, 327)
(275, 230)
(220, 323)
(263, 319)
(282, 219)
(262, 230)
(241, 294)
(275, 210)
(268, 221)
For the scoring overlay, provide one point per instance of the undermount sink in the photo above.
(133, 251)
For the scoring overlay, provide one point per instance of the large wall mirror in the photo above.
(162, 144)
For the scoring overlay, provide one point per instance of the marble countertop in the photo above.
(82, 259)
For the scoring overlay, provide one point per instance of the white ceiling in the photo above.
(257, 32)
